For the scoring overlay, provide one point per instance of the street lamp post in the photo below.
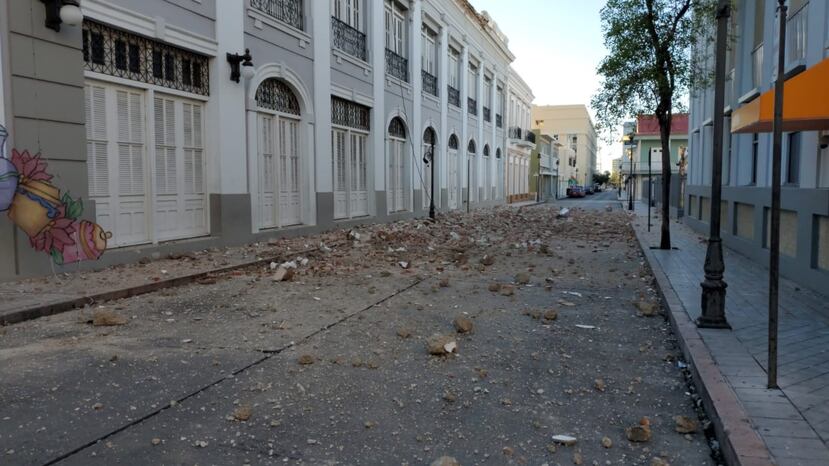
(774, 240)
(713, 287)
(432, 178)
(630, 177)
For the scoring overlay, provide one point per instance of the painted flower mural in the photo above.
(51, 220)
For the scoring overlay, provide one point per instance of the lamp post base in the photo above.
(713, 305)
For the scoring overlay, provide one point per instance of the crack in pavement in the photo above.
(268, 354)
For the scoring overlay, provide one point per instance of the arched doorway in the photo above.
(397, 185)
(452, 172)
(487, 173)
(472, 169)
(425, 178)
(499, 168)
(279, 162)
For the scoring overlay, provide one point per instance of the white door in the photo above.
(358, 173)
(500, 182)
(289, 169)
(116, 161)
(338, 143)
(179, 169)
(395, 174)
(452, 178)
(473, 181)
(267, 172)
(487, 178)
(426, 176)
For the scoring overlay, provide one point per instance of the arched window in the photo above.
(471, 147)
(498, 153)
(453, 142)
(486, 150)
(397, 128)
(274, 94)
(429, 136)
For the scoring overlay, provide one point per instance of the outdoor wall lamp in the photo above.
(246, 70)
(62, 11)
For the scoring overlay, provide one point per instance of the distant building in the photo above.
(571, 126)
(544, 168)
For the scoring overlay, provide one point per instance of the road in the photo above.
(332, 366)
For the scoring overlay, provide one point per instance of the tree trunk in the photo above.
(665, 136)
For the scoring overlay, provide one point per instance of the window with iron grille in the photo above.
(472, 106)
(122, 54)
(348, 39)
(397, 66)
(397, 128)
(430, 83)
(285, 11)
(350, 114)
(454, 96)
(453, 142)
(471, 147)
(274, 94)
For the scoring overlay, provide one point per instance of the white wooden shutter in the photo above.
(339, 172)
(131, 207)
(267, 176)
(96, 141)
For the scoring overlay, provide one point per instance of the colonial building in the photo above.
(193, 124)
(521, 141)
(572, 126)
(544, 168)
(747, 150)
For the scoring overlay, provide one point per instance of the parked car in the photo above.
(575, 191)
(589, 190)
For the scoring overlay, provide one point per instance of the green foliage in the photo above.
(601, 178)
(649, 65)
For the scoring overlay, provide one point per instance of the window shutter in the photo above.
(96, 145)
(759, 16)
(165, 152)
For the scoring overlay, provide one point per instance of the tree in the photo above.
(648, 68)
(601, 178)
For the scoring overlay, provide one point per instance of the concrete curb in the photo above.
(57, 307)
(740, 443)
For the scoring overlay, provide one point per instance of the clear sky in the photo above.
(557, 45)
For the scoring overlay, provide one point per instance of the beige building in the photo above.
(572, 127)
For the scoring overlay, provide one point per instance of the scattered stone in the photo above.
(283, 274)
(600, 385)
(606, 442)
(445, 461)
(508, 451)
(494, 287)
(404, 333)
(444, 282)
(507, 290)
(647, 309)
(657, 461)
(551, 314)
(156, 441)
(450, 397)
(200, 444)
(242, 413)
(522, 278)
(551, 447)
(641, 432)
(577, 458)
(462, 324)
(487, 260)
(370, 424)
(566, 440)
(685, 425)
(440, 345)
(107, 318)
(404, 264)
(98, 406)
(306, 359)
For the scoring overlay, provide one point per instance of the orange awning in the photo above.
(805, 105)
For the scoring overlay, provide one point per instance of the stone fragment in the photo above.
(551, 314)
(439, 345)
(494, 287)
(657, 461)
(107, 318)
(600, 385)
(522, 278)
(647, 309)
(98, 406)
(283, 274)
(450, 397)
(305, 359)
(507, 290)
(508, 451)
(577, 458)
(487, 260)
(444, 282)
(156, 441)
(403, 333)
(200, 444)
(462, 324)
(685, 425)
(640, 432)
(606, 442)
(566, 440)
(445, 461)
(242, 413)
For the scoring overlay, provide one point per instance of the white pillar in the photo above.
(443, 84)
(416, 21)
(493, 163)
(226, 123)
(377, 58)
(321, 21)
(480, 137)
(464, 82)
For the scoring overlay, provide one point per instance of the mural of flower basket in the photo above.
(51, 220)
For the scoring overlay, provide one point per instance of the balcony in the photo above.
(348, 39)
(430, 83)
(499, 120)
(521, 138)
(487, 114)
(454, 96)
(757, 67)
(397, 66)
(285, 11)
(796, 36)
(472, 106)
(530, 137)
(514, 132)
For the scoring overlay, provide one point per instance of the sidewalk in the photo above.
(793, 422)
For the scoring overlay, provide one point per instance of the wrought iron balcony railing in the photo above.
(454, 96)
(514, 132)
(530, 137)
(285, 11)
(487, 114)
(472, 106)
(397, 66)
(430, 83)
(499, 120)
(348, 39)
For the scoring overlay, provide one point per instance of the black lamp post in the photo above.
(713, 287)
(429, 159)
(631, 137)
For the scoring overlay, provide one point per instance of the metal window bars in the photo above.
(118, 53)
(350, 114)
(397, 66)
(285, 11)
(348, 39)
(499, 120)
(454, 96)
(430, 83)
(274, 94)
(487, 114)
(472, 106)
